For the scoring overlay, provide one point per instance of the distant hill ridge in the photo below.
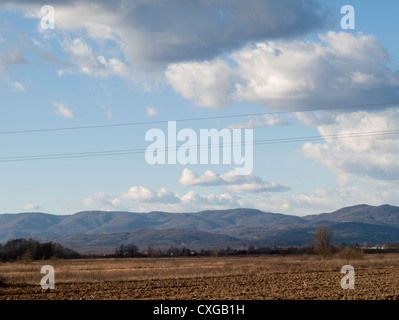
(360, 223)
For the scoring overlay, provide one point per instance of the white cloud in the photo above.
(62, 110)
(341, 68)
(326, 199)
(373, 155)
(315, 201)
(144, 199)
(32, 206)
(312, 202)
(82, 56)
(316, 73)
(192, 199)
(142, 194)
(266, 120)
(97, 18)
(155, 33)
(207, 84)
(189, 178)
(234, 183)
(258, 187)
(101, 201)
(19, 86)
(152, 112)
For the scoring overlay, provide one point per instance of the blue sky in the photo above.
(131, 62)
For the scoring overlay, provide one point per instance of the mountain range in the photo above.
(103, 231)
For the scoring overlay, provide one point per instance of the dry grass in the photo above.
(128, 269)
(264, 277)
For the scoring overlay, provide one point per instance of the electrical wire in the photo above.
(247, 115)
(143, 150)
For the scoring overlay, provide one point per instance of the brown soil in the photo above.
(371, 282)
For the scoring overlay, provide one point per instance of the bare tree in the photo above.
(322, 240)
(153, 251)
(120, 251)
(131, 250)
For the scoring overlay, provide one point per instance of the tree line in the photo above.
(321, 245)
(30, 249)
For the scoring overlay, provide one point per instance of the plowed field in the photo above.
(253, 278)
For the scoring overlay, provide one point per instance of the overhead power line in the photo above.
(143, 150)
(246, 115)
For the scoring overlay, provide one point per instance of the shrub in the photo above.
(351, 253)
(321, 242)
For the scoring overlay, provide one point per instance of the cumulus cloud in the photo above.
(193, 198)
(189, 178)
(209, 54)
(142, 194)
(314, 201)
(208, 83)
(155, 32)
(258, 187)
(31, 207)
(62, 110)
(145, 199)
(327, 199)
(101, 201)
(87, 62)
(341, 68)
(152, 112)
(19, 86)
(370, 155)
(234, 183)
